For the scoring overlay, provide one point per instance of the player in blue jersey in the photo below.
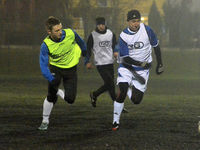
(135, 48)
(59, 56)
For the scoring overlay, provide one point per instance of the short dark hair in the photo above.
(51, 21)
(133, 14)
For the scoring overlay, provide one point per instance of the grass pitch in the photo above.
(165, 120)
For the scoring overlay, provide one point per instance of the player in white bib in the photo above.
(135, 48)
(102, 42)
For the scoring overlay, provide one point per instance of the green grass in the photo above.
(165, 120)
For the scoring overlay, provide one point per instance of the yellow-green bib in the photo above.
(64, 54)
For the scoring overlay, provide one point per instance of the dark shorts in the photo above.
(69, 78)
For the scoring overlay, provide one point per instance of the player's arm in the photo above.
(154, 42)
(44, 61)
(90, 43)
(81, 43)
(114, 43)
(159, 67)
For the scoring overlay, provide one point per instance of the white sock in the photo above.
(47, 107)
(129, 92)
(61, 93)
(118, 107)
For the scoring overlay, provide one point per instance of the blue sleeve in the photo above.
(44, 61)
(123, 48)
(80, 42)
(152, 36)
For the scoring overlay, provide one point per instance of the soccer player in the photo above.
(102, 43)
(135, 48)
(59, 56)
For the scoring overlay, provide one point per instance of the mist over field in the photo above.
(167, 118)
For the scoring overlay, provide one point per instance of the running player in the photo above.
(135, 48)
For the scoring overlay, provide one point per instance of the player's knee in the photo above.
(121, 97)
(136, 100)
(137, 96)
(120, 100)
(123, 91)
(52, 99)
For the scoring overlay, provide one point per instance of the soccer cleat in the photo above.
(43, 126)
(115, 126)
(60, 93)
(93, 99)
(125, 110)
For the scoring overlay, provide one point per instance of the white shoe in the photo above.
(61, 93)
(43, 126)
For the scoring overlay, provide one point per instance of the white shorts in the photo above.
(124, 75)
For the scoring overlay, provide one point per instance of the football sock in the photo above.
(61, 93)
(129, 92)
(47, 107)
(118, 107)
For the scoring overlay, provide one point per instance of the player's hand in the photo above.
(115, 54)
(143, 64)
(56, 79)
(89, 66)
(159, 69)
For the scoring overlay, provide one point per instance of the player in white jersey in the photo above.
(102, 43)
(135, 48)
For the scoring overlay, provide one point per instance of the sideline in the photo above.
(20, 46)
(171, 49)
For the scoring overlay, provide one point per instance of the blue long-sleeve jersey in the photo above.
(44, 55)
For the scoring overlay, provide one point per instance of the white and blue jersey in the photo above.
(138, 46)
(44, 55)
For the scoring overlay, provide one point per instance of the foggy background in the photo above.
(167, 119)
(176, 22)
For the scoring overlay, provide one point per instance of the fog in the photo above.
(176, 22)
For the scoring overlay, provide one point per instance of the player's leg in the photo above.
(137, 95)
(51, 98)
(107, 74)
(103, 72)
(101, 89)
(123, 80)
(70, 84)
(119, 104)
(109, 81)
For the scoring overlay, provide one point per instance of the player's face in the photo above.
(134, 24)
(101, 27)
(56, 32)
